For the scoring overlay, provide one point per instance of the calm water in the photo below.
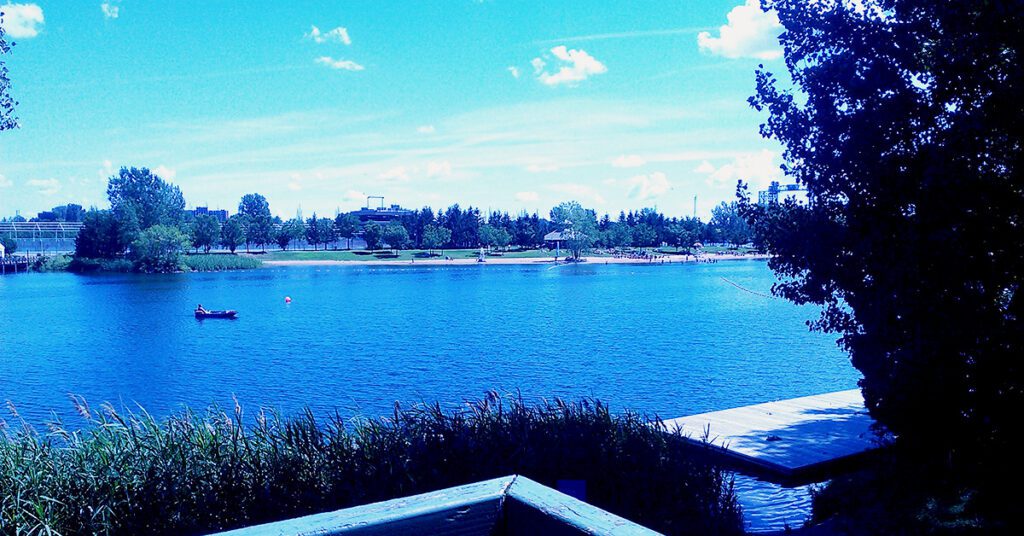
(671, 340)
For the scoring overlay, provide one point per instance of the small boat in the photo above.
(216, 314)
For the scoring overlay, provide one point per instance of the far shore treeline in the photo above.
(147, 229)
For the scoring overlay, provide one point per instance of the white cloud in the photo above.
(397, 173)
(355, 195)
(705, 167)
(541, 168)
(750, 33)
(527, 197)
(347, 65)
(514, 71)
(165, 172)
(339, 35)
(759, 169)
(580, 192)
(22, 20)
(628, 161)
(538, 66)
(45, 186)
(110, 11)
(426, 129)
(5, 182)
(574, 66)
(439, 169)
(294, 185)
(644, 187)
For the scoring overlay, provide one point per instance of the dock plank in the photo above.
(788, 438)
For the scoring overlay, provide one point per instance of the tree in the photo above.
(577, 225)
(313, 229)
(259, 231)
(205, 232)
(395, 236)
(254, 206)
(906, 133)
(99, 237)
(10, 244)
(372, 234)
(618, 235)
(644, 235)
(7, 104)
(487, 234)
(289, 231)
(435, 237)
(147, 197)
(159, 249)
(728, 225)
(684, 233)
(501, 238)
(326, 232)
(232, 234)
(345, 226)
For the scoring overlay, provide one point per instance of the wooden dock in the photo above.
(788, 441)
(13, 265)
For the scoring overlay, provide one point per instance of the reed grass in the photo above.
(220, 262)
(193, 473)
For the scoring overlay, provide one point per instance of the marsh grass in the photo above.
(220, 262)
(191, 473)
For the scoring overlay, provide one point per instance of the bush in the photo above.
(216, 263)
(83, 264)
(189, 474)
(10, 244)
(57, 263)
(159, 249)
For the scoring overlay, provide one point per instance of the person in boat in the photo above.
(201, 310)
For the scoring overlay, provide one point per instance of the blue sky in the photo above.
(500, 104)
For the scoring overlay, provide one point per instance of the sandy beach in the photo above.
(665, 259)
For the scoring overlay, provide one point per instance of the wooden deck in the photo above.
(790, 441)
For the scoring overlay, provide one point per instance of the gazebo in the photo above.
(556, 238)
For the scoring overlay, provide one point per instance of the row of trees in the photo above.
(455, 227)
(145, 207)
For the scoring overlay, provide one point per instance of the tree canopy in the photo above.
(7, 103)
(147, 197)
(903, 123)
(578, 226)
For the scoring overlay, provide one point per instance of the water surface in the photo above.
(671, 340)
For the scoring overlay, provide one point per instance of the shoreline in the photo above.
(667, 259)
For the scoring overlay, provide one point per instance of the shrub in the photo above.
(188, 474)
(159, 249)
(216, 263)
(56, 263)
(84, 264)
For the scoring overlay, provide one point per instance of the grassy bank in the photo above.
(220, 262)
(191, 473)
(403, 255)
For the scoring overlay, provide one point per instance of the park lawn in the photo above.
(387, 255)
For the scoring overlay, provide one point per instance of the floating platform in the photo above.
(791, 441)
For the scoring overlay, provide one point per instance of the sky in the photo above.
(501, 104)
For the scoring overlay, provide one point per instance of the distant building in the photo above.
(777, 193)
(381, 214)
(221, 215)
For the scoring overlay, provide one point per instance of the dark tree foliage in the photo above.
(153, 200)
(905, 127)
(7, 119)
(100, 237)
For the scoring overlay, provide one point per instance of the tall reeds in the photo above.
(191, 473)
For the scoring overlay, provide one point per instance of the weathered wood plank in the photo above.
(531, 508)
(464, 510)
(788, 437)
